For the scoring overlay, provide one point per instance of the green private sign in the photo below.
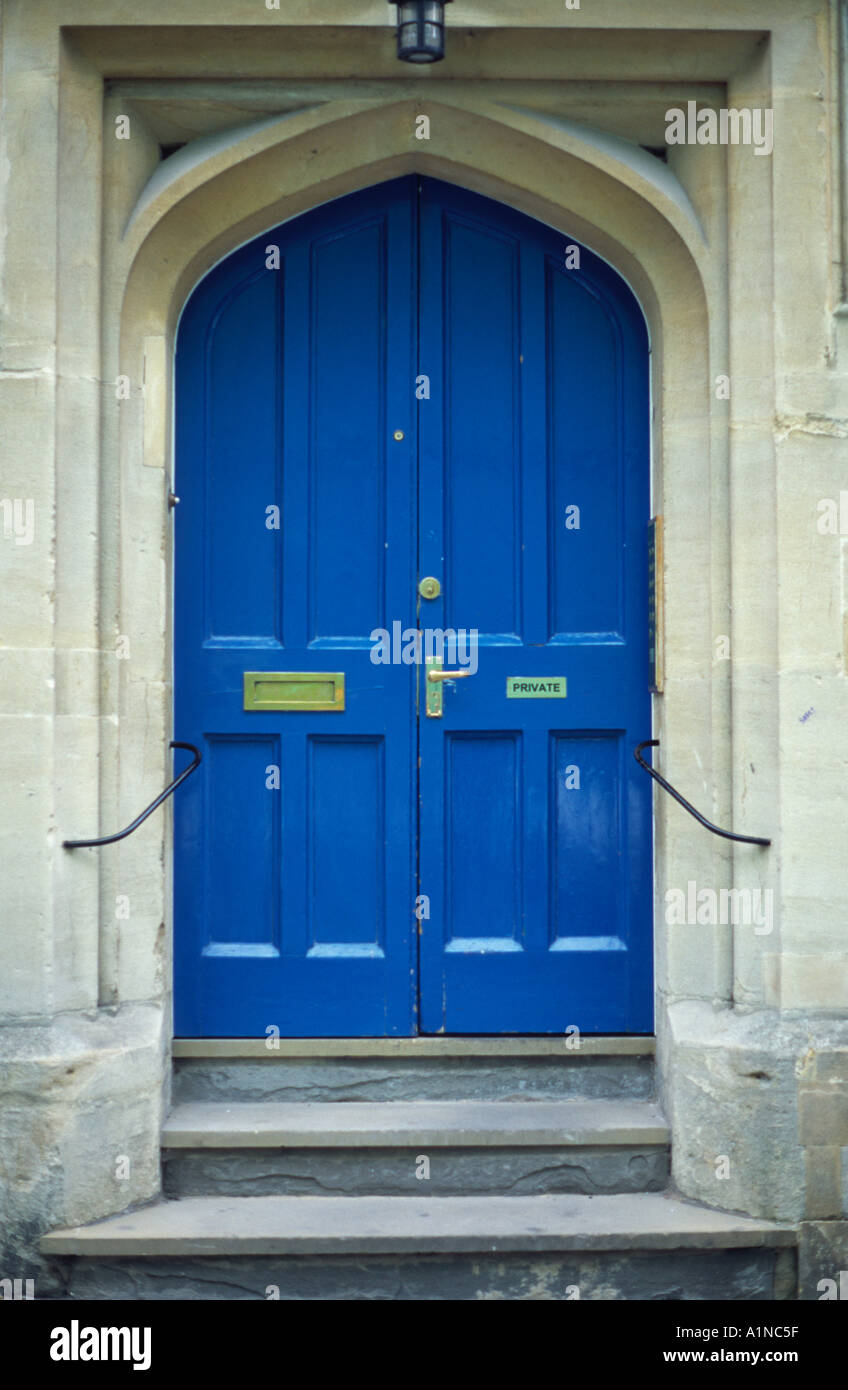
(535, 688)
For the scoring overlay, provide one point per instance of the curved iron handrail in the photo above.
(110, 839)
(726, 834)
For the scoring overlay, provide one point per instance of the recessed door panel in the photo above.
(484, 841)
(586, 448)
(586, 850)
(481, 307)
(347, 525)
(243, 354)
(241, 911)
(346, 826)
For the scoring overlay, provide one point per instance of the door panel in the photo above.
(480, 271)
(535, 828)
(294, 851)
(483, 850)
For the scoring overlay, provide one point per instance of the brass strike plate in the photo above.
(435, 700)
(294, 690)
(655, 603)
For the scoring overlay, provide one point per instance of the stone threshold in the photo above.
(258, 1049)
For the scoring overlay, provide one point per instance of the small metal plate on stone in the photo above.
(536, 688)
(294, 690)
(655, 603)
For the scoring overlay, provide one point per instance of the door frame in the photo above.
(653, 241)
(636, 963)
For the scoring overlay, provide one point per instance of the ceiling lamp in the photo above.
(420, 30)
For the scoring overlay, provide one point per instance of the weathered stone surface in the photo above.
(744, 1088)
(75, 1098)
(428, 1077)
(824, 1182)
(452, 1171)
(823, 1261)
(732, 1275)
(823, 1115)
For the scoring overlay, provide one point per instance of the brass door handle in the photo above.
(435, 678)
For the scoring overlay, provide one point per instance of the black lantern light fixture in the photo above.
(420, 30)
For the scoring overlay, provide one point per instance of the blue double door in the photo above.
(412, 383)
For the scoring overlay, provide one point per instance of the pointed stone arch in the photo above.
(627, 206)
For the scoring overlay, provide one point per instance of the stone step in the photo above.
(443, 1124)
(651, 1245)
(470, 1147)
(435, 1068)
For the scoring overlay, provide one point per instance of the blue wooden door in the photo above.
(294, 847)
(534, 498)
(409, 382)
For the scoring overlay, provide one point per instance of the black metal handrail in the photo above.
(708, 825)
(110, 839)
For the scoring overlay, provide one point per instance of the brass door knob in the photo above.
(429, 587)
